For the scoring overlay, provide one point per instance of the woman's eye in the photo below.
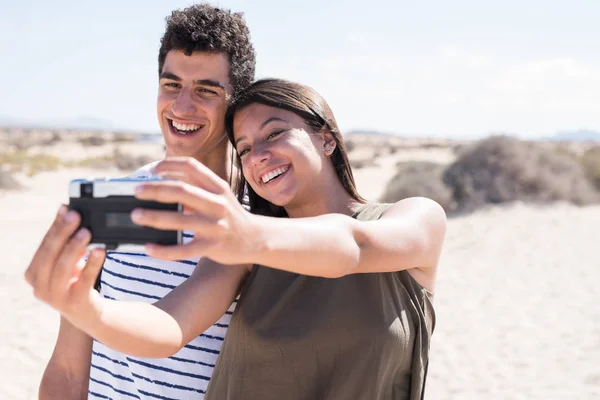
(274, 135)
(242, 152)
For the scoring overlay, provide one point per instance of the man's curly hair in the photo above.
(203, 27)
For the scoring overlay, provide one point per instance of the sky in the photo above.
(437, 68)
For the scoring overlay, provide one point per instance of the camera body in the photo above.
(105, 206)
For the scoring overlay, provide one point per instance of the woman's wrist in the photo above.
(259, 234)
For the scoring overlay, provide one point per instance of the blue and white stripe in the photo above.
(132, 276)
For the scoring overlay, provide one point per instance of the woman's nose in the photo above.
(259, 155)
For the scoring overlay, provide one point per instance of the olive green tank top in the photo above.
(297, 337)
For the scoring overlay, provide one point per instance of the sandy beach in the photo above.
(516, 301)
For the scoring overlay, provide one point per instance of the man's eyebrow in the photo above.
(203, 82)
(169, 75)
(210, 82)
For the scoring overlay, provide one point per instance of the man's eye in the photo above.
(171, 85)
(207, 91)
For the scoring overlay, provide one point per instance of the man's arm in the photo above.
(67, 374)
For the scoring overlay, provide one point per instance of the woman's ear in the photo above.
(329, 143)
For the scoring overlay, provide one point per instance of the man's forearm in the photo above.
(68, 372)
(56, 384)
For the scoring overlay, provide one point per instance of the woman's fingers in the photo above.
(169, 220)
(189, 196)
(193, 172)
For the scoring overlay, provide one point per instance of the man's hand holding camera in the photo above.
(59, 274)
(223, 231)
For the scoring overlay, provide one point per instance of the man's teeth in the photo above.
(185, 127)
(273, 174)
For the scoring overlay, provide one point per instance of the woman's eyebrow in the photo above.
(238, 140)
(268, 121)
(271, 120)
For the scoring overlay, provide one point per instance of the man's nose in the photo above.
(183, 104)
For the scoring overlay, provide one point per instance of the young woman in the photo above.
(335, 293)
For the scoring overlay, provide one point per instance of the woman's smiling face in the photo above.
(282, 157)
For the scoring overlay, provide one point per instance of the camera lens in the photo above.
(87, 189)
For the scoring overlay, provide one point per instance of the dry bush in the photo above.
(459, 149)
(350, 145)
(423, 179)
(564, 149)
(21, 161)
(591, 164)
(503, 169)
(433, 145)
(8, 181)
(118, 159)
(92, 140)
(52, 140)
(20, 145)
(98, 162)
(123, 138)
(128, 162)
(20, 140)
(363, 163)
(395, 148)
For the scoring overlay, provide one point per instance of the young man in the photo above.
(205, 58)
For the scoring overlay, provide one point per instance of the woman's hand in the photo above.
(223, 230)
(61, 277)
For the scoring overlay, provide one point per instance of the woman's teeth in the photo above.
(274, 174)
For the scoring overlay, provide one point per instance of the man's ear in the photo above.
(329, 143)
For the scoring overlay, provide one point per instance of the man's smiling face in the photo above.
(192, 99)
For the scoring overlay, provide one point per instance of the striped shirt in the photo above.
(185, 375)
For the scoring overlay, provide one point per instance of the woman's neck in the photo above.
(333, 199)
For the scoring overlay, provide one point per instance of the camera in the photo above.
(105, 206)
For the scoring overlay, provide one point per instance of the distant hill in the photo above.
(368, 132)
(6, 121)
(582, 135)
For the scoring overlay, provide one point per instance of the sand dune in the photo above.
(517, 299)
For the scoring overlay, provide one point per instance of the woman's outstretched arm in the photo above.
(409, 235)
